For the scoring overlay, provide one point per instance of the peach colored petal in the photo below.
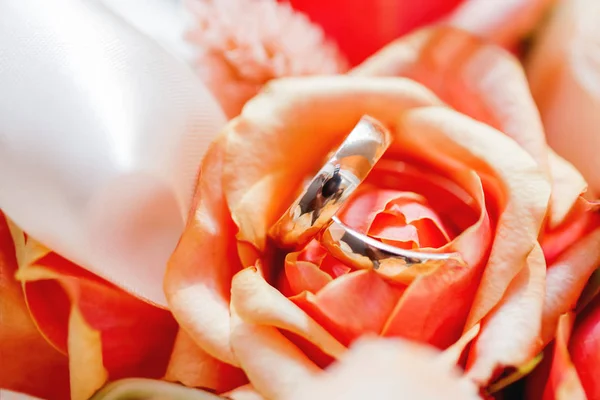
(304, 117)
(256, 302)
(435, 306)
(197, 281)
(29, 363)
(445, 133)
(566, 278)
(386, 369)
(364, 311)
(455, 352)
(367, 202)
(567, 185)
(303, 275)
(510, 334)
(456, 203)
(459, 196)
(564, 75)
(478, 79)
(246, 392)
(274, 365)
(484, 82)
(504, 23)
(193, 367)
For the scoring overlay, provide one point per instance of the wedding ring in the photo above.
(354, 248)
(312, 211)
(312, 214)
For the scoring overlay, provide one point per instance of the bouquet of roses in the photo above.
(251, 199)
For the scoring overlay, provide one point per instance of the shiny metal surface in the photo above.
(338, 178)
(312, 215)
(362, 251)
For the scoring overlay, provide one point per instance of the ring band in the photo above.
(312, 211)
(312, 215)
(362, 251)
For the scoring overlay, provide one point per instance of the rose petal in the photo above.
(368, 201)
(457, 205)
(567, 185)
(481, 81)
(29, 363)
(364, 311)
(197, 281)
(278, 367)
(454, 353)
(302, 275)
(582, 219)
(449, 135)
(137, 338)
(564, 77)
(484, 82)
(504, 22)
(193, 367)
(434, 307)
(388, 369)
(556, 378)
(299, 116)
(256, 302)
(510, 334)
(566, 278)
(585, 348)
(462, 206)
(106, 331)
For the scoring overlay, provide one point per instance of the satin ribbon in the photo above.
(101, 134)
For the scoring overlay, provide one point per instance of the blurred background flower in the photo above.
(564, 75)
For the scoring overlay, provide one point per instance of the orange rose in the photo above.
(468, 171)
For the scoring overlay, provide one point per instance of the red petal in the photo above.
(585, 349)
(137, 337)
(367, 25)
(29, 363)
(556, 378)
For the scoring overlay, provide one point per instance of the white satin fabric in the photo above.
(166, 21)
(101, 134)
